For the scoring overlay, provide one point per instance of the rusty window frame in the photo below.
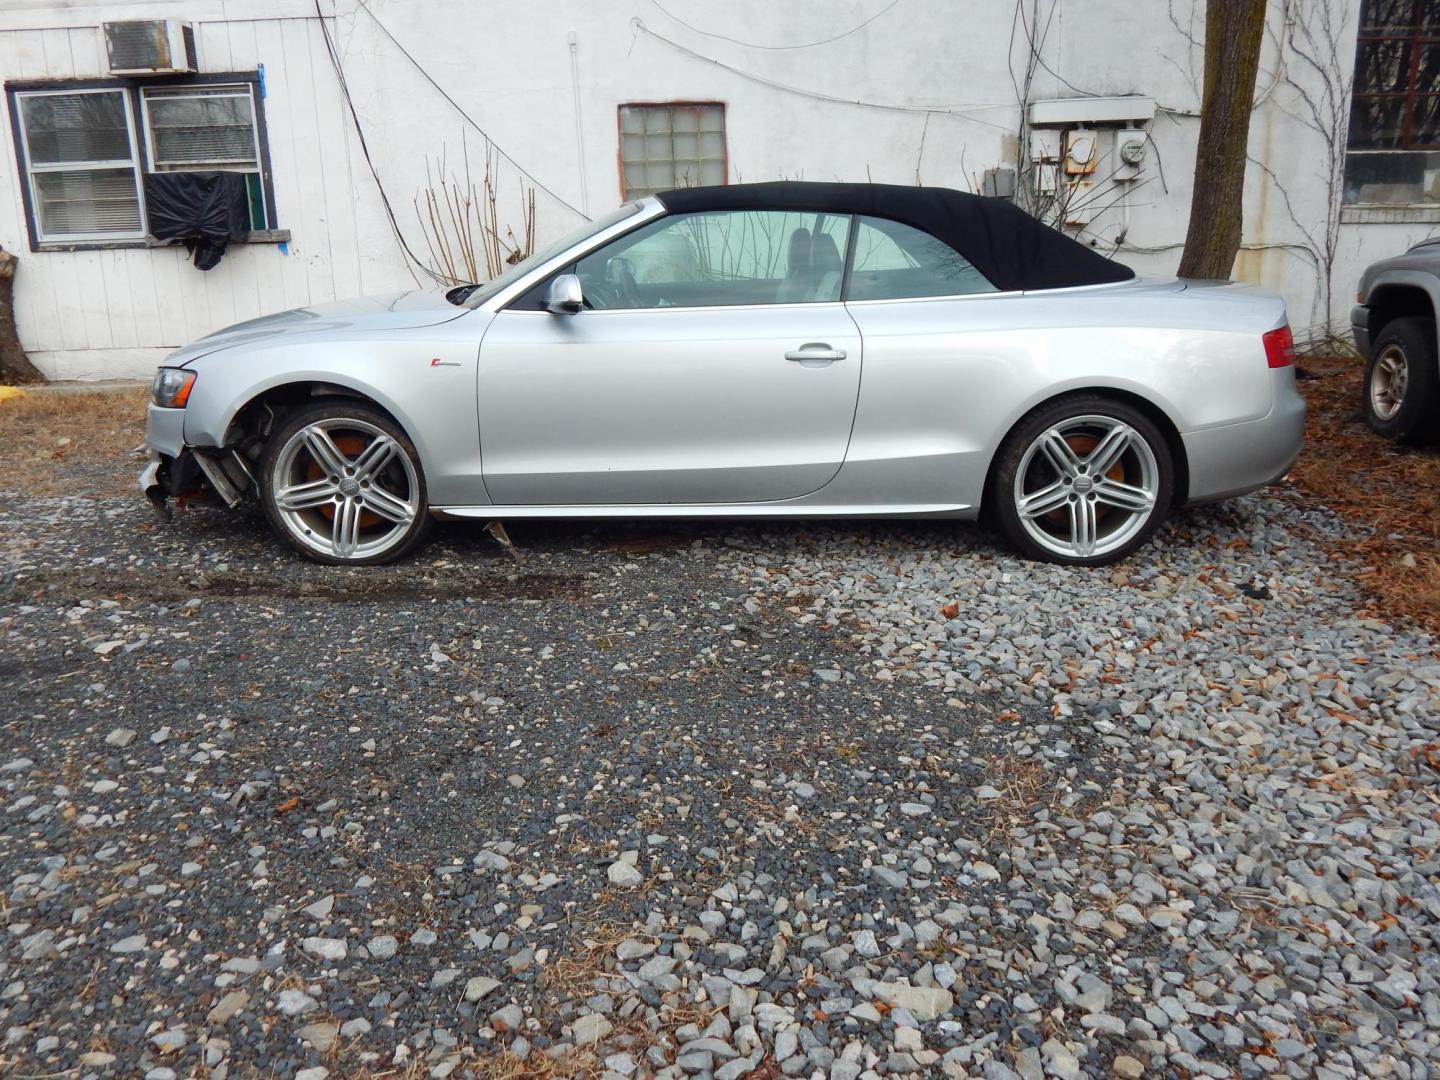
(1419, 38)
(628, 191)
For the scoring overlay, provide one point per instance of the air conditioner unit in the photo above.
(150, 47)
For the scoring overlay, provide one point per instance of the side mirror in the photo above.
(564, 296)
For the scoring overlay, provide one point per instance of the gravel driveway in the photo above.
(812, 800)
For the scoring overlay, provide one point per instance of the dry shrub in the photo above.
(47, 434)
(1392, 491)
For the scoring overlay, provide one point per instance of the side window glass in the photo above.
(720, 258)
(894, 262)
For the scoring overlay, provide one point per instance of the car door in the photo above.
(712, 362)
(941, 347)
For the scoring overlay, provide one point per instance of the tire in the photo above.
(342, 485)
(1402, 382)
(1044, 496)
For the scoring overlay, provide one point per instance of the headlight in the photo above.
(171, 387)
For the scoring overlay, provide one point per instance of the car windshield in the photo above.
(472, 296)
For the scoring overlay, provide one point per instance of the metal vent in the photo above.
(150, 47)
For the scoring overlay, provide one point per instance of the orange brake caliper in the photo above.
(350, 446)
(1082, 445)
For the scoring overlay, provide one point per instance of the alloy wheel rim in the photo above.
(345, 489)
(1388, 382)
(1086, 486)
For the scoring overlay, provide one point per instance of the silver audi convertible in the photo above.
(755, 350)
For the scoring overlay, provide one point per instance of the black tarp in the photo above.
(205, 209)
(1007, 245)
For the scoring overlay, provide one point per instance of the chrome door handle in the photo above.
(815, 350)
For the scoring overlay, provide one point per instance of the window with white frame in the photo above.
(84, 152)
(79, 149)
(676, 145)
(203, 128)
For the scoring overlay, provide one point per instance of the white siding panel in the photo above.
(280, 116)
(87, 53)
(96, 312)
(212, 47)
(166, 266)
(115, 271)
(138, 271)
(59, 63)
(30, 55)
(332, 127)
(313, 247)
(193, 296)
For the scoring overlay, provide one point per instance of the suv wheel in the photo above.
(1402, 383)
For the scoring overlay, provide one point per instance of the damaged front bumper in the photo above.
(186, 473)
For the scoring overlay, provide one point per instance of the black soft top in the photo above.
(1007, 245)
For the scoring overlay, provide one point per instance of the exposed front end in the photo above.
(175, 471)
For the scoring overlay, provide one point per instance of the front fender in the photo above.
(424, 378)
(1425, 281)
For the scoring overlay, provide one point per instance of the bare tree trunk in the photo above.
(1233, 33)
(15, 366)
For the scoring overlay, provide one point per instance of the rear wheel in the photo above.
(1083, 481)
(1402, 382)
(342, 484)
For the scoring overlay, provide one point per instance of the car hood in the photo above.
(398, 311)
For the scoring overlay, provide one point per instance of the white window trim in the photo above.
(246, 90)
(31, 168)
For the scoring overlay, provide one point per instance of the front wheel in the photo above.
(342, 484)
(1402, 383)
(1083, 481)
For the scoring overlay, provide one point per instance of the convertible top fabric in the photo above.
(1007, 245)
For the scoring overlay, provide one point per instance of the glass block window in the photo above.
(671, 146)
(1395, 108)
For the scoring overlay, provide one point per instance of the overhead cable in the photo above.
(962, 111)
(777, 48)
(465, 115)
(365, 146)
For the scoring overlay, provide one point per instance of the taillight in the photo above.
(1279, 348)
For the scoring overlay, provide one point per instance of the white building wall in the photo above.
(936, 77)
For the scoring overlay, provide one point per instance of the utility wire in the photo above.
(463, 114)
(365, 146)
(1037, 49)
(777, 48)
(962, 111)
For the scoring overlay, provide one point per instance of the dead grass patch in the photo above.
(1392, 491)
(47, 437)
(1024, 785)
(574, 975)
(504, 1065)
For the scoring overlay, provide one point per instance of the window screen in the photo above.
(1394, 144)
(671, 146)
(894, 261)
(80, 157)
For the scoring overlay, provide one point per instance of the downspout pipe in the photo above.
(579, 127)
